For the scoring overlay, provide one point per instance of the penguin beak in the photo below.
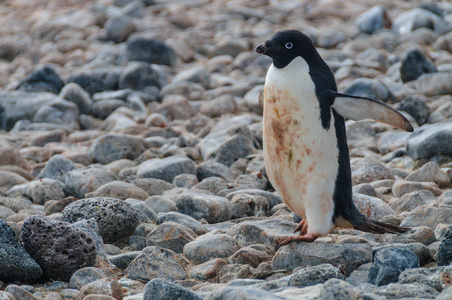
(262, 48)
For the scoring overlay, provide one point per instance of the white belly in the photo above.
(301, 157)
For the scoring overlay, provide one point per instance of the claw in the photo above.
(302, 227)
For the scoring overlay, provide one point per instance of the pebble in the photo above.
(210, 246)
(430, 172)
(414, 65)
(212, 208)
(208, 270)
(166, 168)
(160, 288)
(183, 219)
(84, 276)
(119, 190)
(76, 94)
(43, 79)
(171, 235)
(402, 187)
(372, 207)
(368, 171)
(433, 277)
(103, 286)
(410, 201)
(427, 215)
(84, 180)
(444, 255)
(389, 263)
(56, 168)
(373, 19)
(152, 51)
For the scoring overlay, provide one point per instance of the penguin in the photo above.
(305, 147)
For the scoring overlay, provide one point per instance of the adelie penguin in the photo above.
(305, 146)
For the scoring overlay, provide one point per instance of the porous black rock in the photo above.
(414, 65)
(389, 263)
(15, 263)
(43, 79)
(116, 219)
(58, 247)
(150, 50)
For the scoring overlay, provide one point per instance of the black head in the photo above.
(285, 45)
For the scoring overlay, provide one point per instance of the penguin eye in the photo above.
(289, 45)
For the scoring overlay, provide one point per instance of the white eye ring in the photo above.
(289, 45)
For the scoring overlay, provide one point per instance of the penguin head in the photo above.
(286, 45)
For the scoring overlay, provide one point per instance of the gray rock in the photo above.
(430, 140)
(232, 48)
(414, 65)
(138, 76)
(210, 246)
(119, 190)
(444, 255)
(427, 215)
(435, 84)
(372, 207)
(185, 220)
(58, 111)
(56, 168)
(251, 181)
(252, 255)
(42, 79)
(175, 107)
(213, 208)
(119, 28)
(211, 168)
(153, 186)
(212, 184)
(95, 81)
(76, 94)
(209, 270)
(337, 289)
(370, 88)
(373, 19)
(445, 294)
(416, 18)
(242, 292)
(413, 291)
(103, 286)
(223, 104)
(171, 235)
(185, 180)
(85, 180)
(402, 187)
(111, 147)
(268, 232)
(155, 262)
(166, 168)
(415, 107)
(160, 204)
(15, 263)
(161, 289)
(18, 292)
(430, 172)
(59, 248)
(84, 276)
(235, 272)
(347, 256)
(226, 146)
(116, 219)
(365, 189)
(433, 277)
(40, 191)
(151, 51)
(410, 201)
(196, 74)
(123, 260)
(369, 171)
(11, 179)
(272, 198)
(102, 109)
(245, 205)
(389, 263)
(312, 275)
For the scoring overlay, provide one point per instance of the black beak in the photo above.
(262, 48)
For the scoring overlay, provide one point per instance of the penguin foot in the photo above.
(309, 237)
(302, 227)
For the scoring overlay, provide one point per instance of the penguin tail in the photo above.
(363, 223)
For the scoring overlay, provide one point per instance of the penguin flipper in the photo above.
(361, 108)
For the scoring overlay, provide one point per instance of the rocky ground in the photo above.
(131, 151)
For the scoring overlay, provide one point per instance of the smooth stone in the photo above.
(210, 246)
(410, 20)
(234, 272)
(153, 186)
(166, 168)
(171, 235)
(372, 207)
(103, 286)
(337, 289)
(410, 291)
(111, 147)
(435, 84)
(84, 276)
(369, 171)
(373, 19)
(119, 190)
(213, 208)
(410, 201)
(219, 106)
(416, 107)
(119, 28)
(95, 81)
(242, 292)
(152, 51)
(18, 292)
(196, 74)
(367, 87)
(116, 219)
(58, 111)
(43, 138)
(42, 79)
(137, 76)
(430, 172)
(211, 168)
(82, 181)
(16, 204)
(389, 263)
(10, 179)
(272, 198)
(58, 247)
(245, 205)
(429, 140)
(56, 168)
(347, 256)
(160, 204)
(76, 94)
(212, 185)
(43, 190)
(183, 219)
(403, 187)
(414, 65)
(161, 289)
(155, 262)
(209, 270)
(123, 260)
(444, 254)
(185, 180)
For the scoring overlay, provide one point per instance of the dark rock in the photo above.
(414, 65)
(210, 246)
(166, 168)
(370, 88)
(389, 263)
(416, 107)
(96, 81)
(123, 260)
(430, 140)
(373, 19)
(111, 147)
(116, 219)
(56, 168)
(162, 289)
(155, 262)
(119, 28)
(102, 109)
(347, 256)
(185, 220)
(84, 276)
(137, 242)
(213, 208)
(422, 251)
(268, 232)
(137, 76)
(76, 94)
(58, 111)
(15, 263)
(151, 51)
(444, 255)
(85, 180)
(43, 138)
(171, 235)
(43, 79)
(59, 248)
